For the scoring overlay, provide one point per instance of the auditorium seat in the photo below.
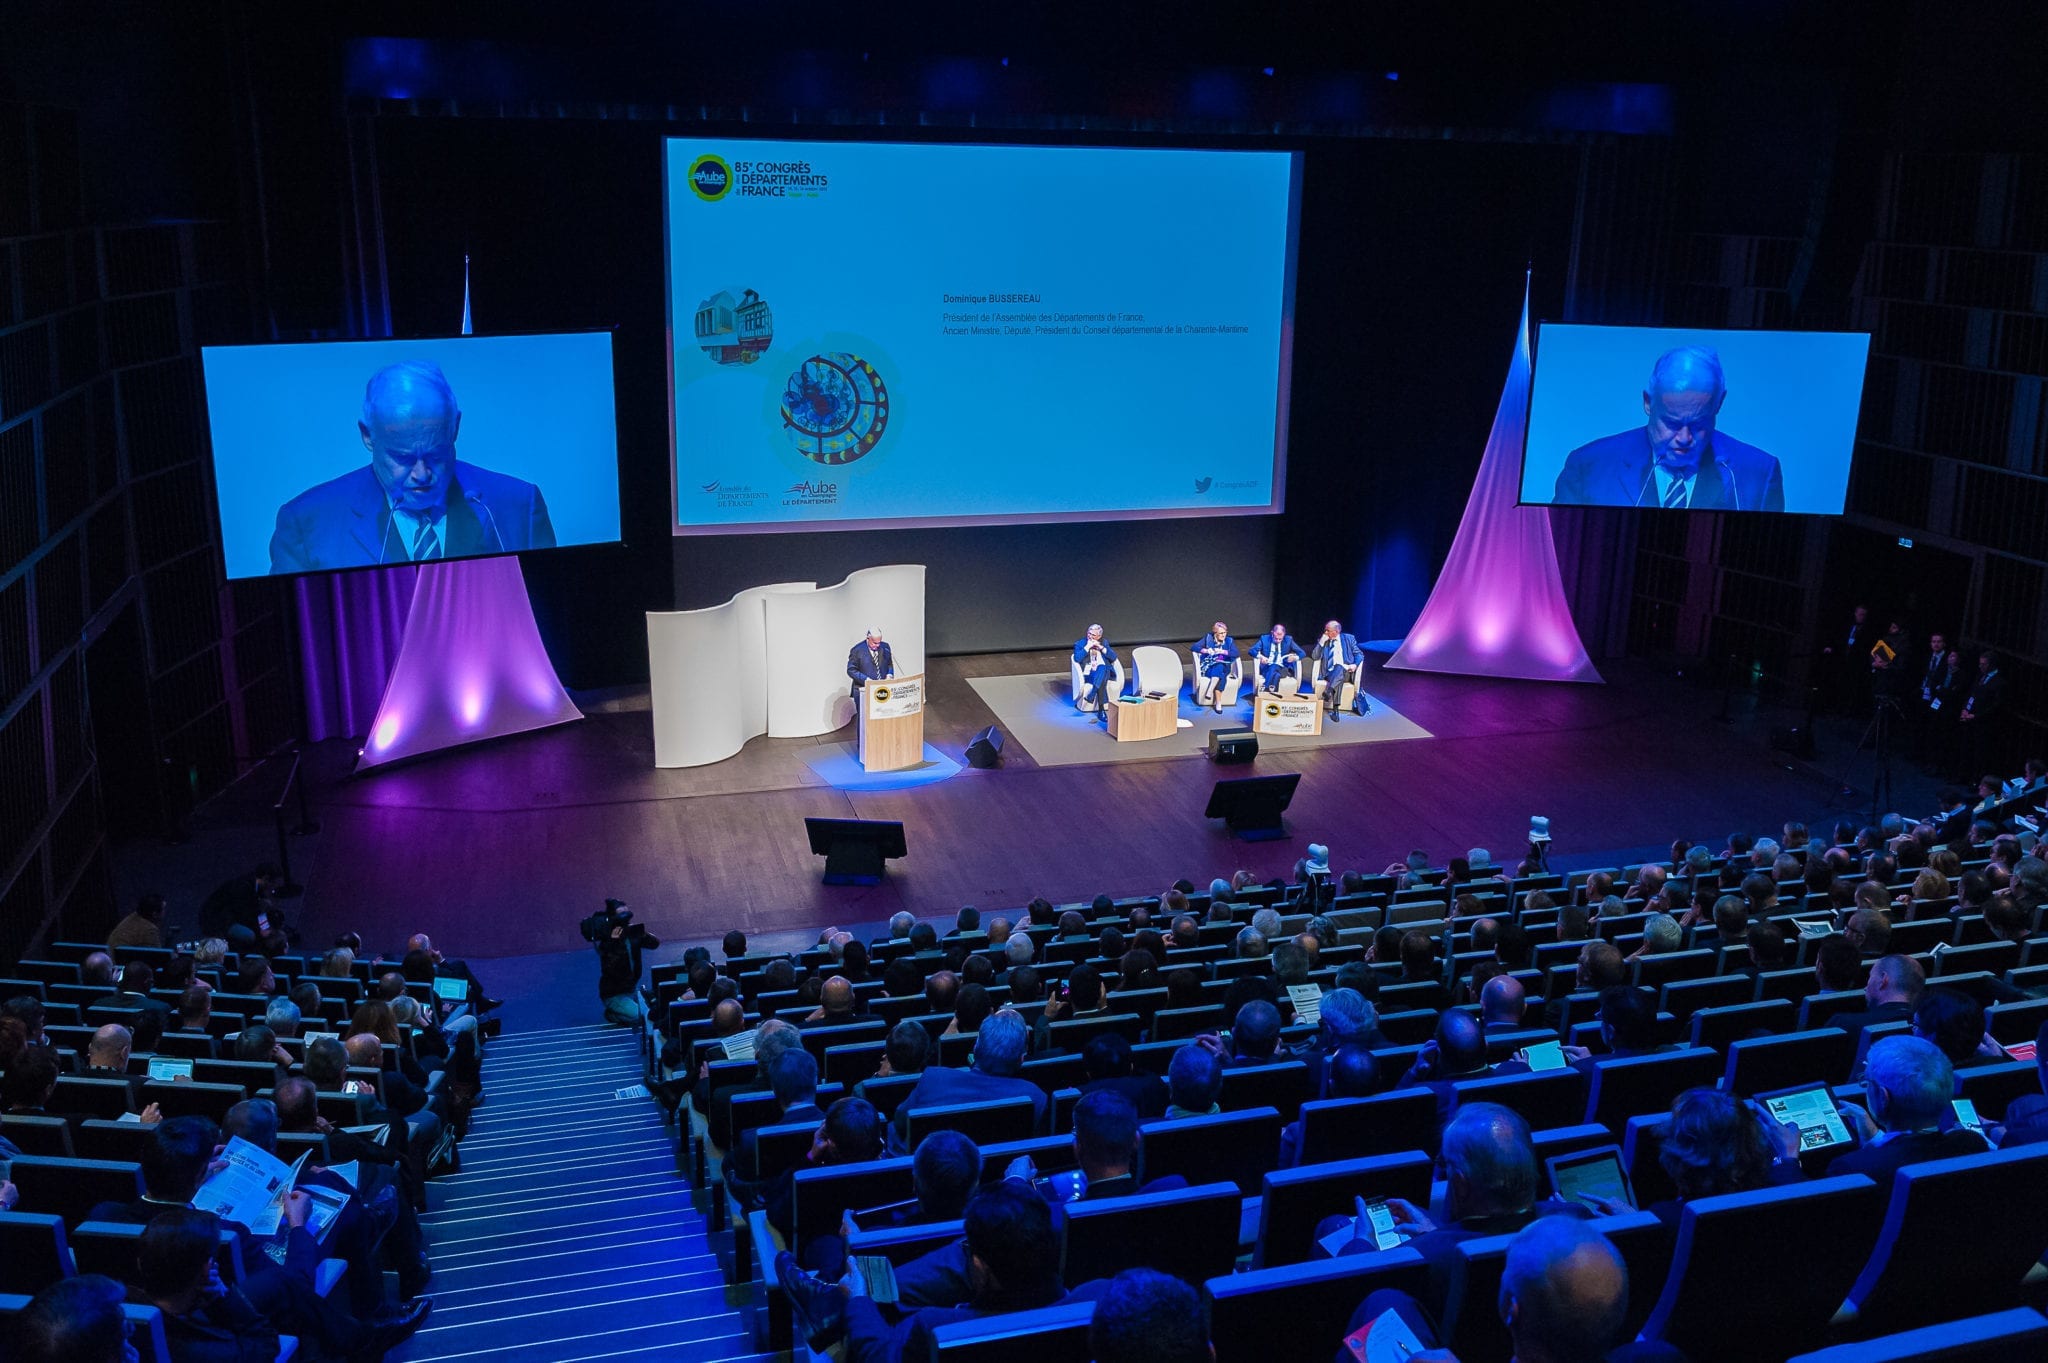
(1471, 1313)
(104, 1140)
(2014, 1022)
(823, 1195)
(1720, 1027)
(34, 1135)
(72, 1187)
(1765, 1064)
(145, 1328)
(211, 1101)
(1052, 1334)
(1236, 1147)
(1992, 1087)
(33, 1251)
(1999, 1337)
(1006, 1119)
(1661, 968)
(1958, 1236)
(1281, 1086)
(1550, 1098)
(1293, 1201)
(1191, 1233)
(1383, 1124)
(1642, 1139)
(109, 1247)
(1627, 1086)
(1175, 1024)
(1565, 1140)
(107, 1098)
(849, 1063)
(1806, 1241)
(1250, 1313)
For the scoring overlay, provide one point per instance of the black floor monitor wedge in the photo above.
(855, 850)
(1250, 806)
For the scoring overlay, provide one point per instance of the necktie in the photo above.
(1676, 496)
(426, 543)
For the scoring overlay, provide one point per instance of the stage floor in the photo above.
(499, 850)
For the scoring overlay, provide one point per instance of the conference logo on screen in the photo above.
(710, 178)
(713, 177)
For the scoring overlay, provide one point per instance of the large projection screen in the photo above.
(331, 455)
(870, 335)
(1686, 418)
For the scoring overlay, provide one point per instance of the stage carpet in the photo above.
(1038, 711)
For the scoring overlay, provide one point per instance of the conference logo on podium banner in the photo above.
(1287, 715)
(896, 699)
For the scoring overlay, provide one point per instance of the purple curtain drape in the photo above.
(1498, 608)
(350, 627)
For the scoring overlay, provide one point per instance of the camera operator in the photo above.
(619, 941)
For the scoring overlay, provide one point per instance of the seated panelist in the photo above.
(869, 660)
(1342, 661)
(1098, 669)
(1276, 655)
(1214, 652)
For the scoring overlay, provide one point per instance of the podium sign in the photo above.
(892, 724)
(1296, 716)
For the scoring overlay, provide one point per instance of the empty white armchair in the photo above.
(1158, 669)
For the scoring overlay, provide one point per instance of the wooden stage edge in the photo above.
(499, 849)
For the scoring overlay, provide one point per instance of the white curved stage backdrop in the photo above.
(773, 660)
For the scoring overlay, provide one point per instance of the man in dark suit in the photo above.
(1457, 1052)
(998, 1052)
(1493, 1188)
(1908, 1083)
(1097, 661)
(1275, 656)
(870, 660)
(1980, 721)
(137, 979)
(1677, 459)
(1891, 992)
(1342, 660)
(1013, 1259)
(414, 501)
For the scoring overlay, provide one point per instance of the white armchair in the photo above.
(1158, 669)
(1348, 681)
(1205, 686)
(1080, 683)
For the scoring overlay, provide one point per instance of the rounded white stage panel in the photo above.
(773, 660)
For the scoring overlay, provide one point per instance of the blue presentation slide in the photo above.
(1692, 419)
(870, 334)
(351, 454)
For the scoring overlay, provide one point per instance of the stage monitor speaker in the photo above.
(987, 748)
(855, 849)
(1250, 806)
(1227, 747)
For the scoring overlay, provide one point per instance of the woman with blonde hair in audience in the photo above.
(1929, 887)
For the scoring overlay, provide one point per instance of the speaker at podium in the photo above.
(891, 719)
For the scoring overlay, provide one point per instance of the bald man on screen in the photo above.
(1677, 459)
(413, 501)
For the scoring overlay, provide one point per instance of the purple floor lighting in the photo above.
(1498, 608)
(471, 666)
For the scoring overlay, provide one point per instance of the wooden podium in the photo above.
(892, 723)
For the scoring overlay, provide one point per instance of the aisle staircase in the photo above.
(569, 1235)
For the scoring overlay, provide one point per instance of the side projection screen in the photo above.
(351, 454)
(1686, 419)
(884, 334)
